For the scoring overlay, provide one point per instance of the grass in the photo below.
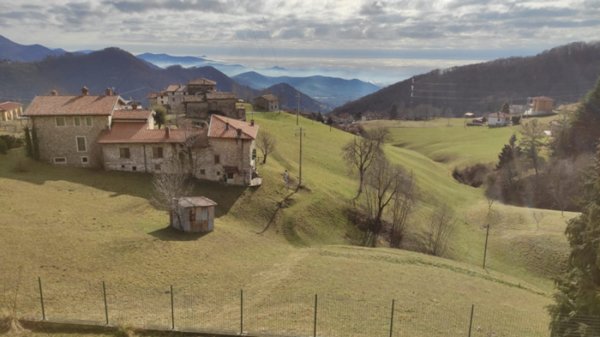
(76, 227)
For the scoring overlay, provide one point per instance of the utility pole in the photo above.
(298, 109)
(487, 234)
(300, 133)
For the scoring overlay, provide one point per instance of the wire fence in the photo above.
(261, 314)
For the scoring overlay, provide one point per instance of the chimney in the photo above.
(239, 133)
(109, 92)
(134, 105)
(227, 126)
(167, 132)
(53, 93)
(84, 91)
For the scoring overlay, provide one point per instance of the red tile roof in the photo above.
(126, 133)
(132, 114)
(202, 81)
(9, 106)
(270, 97)
(224, 127)
(72, 105)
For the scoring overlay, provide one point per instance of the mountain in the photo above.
(564, 73)
(288, 99)
(13, 51)
(332, 91)
(166, 60)
(111, 67)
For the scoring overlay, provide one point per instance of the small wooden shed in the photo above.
(193, 214)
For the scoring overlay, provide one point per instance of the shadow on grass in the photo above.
(16, 166)
(171, 234)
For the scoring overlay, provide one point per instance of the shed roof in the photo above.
(270, 97)
(128, 133)
(72, 105)
(224, 127)
(195, 202)
(9, 106)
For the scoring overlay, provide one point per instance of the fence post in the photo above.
(487, 234)
(105, 302)
(471, 319)
(315, 317)
(172, 310)
(241, 312)
(392, 319)
(42, 298)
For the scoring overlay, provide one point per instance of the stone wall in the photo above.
(60, 141)
(232, 153)
(141, 157)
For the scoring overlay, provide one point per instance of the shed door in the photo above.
(202, 218)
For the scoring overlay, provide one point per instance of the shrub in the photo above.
(11, 141)
(471, 175)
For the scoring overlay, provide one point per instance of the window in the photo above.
(84, 160)
(156, 167)
(217, 159)
(253, 154)
(60, 121)
(88, 121)
(81, 144)
(157, 152)
(230, 175)
(202, 172)
(77, 121)
(124, 153)
(60, 160)
(134, 168)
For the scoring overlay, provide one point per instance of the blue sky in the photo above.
(417, 34)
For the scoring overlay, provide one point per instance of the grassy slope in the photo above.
(75, 227)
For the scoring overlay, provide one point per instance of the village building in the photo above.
(268, 102)
(10, 111)
(68, 127)
(498, 119)
(198, 100)
(193, 214)
(540, 106)
(103, 131)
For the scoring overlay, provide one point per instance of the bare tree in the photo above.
(532, 142)
(562, 181)
(266, 144)
(440, 228)
(383, 183)
(172, 183)
(403, 203)
(538, 217)
(362, 151)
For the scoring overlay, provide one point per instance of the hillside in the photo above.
(13, 51)
(111, 67)
(280, 257)
(288, 99)
(332, 91)
(564, 73)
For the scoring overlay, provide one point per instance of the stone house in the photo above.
(230, 156)
(268, 102)
(10, 111)
(68, 127)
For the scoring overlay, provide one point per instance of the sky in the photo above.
(370, 39)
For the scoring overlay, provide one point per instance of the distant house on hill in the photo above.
(540, 106)
(10, 111)
(268, 102)
(498, 119)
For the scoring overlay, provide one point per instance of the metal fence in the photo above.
(255, 313)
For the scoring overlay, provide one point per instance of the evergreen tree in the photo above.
(576, 312)
(585, 129)
(160, 117)
(510, 152)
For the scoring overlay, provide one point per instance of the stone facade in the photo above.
(226, 160)
(138, 157)
(58, 143)
(268, 102)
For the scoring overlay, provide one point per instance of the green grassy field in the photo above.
(76, 227)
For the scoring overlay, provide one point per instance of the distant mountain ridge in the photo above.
(166, 60)
(564, 73)
(331, 91)
(13, 51)
(111, 67)
(288, 99)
